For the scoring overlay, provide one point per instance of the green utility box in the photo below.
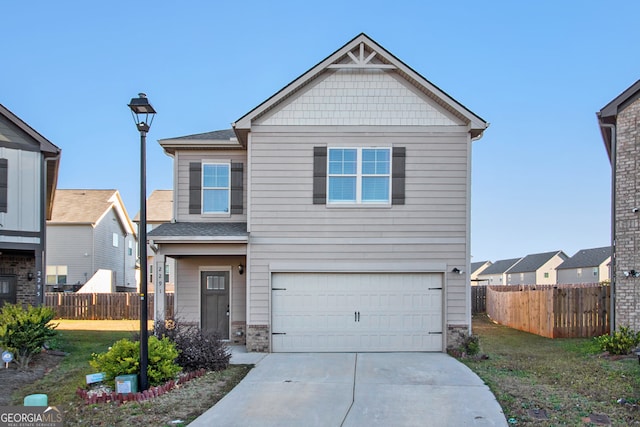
(127, 384)
(36, 400)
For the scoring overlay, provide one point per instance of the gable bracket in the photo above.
(361, 62)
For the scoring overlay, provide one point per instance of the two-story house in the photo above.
(536, 269)
(28, 175)
(159, 211)
(495, 274)
(334, 216)
(91, 243)
(586, 266)
(618, 122)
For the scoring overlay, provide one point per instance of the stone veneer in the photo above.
(456, 335)
(258, 338)
(627, 221)
(238, 333)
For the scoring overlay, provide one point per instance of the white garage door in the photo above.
(334, 312)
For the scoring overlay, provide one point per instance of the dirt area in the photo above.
(12, 379)
(99, 325)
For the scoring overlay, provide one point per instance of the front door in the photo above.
(7, 289)
(214, 287)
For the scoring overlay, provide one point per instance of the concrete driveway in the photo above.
(357, 389)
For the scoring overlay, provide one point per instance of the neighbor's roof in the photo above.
(609, 113)
(587, 258)
(218, 139)
(533, 262)
(477, 265)
(203, 230)
(88, 207)
(500, 267)
(385, 59)
(159, 207)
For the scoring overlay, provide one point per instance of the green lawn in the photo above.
(562, 381)
(61, 384)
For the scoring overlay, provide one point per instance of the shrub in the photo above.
(124, 358)
(621, 342)
(25, 331)
(198, 349)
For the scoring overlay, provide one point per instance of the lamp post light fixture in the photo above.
(143, 114)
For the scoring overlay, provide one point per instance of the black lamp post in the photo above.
(143, 114)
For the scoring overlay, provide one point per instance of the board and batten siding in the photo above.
(431, 226)
(183, 159)
(24, 176)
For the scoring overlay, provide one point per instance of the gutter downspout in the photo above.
(612, 272)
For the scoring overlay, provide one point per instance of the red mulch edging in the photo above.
(151, 393)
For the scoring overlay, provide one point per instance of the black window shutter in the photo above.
(4, 178)
(319, 175)
(397, 180)
(195, 185)
(237, 170)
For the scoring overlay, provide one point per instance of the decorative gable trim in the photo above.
(373, 55)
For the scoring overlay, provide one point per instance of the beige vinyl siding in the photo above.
(71, 245)
(430, 227)
(182, 159)
(187, 286)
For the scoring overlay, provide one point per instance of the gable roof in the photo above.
(587, 258)
(477, 265)
(220, 139)
(382, 59)
(609, 113)
(500, 267)
(88, 207)
(159, 207)
(533, 262)
(50, 151)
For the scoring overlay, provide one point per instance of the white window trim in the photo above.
(115, 241)
(203, 188)
(359, 175)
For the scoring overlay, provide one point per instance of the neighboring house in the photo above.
(586, 266)
(334, 216)
(159, 211)
(476, 269)
(495, 273)
(536, 269)
(28, 175)
(618, 122)
(89, 231)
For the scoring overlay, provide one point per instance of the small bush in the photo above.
(124, 358)
(621, 342)
(25, 331)
(198, 349)
(471, 345)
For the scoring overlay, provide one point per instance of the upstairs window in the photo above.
(215, 188)
(359, 175)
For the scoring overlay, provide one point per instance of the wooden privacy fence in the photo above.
(553, 311)
(478, 299)
(114, 306)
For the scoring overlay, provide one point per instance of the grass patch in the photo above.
(61, 383)
(184, 403)
(567, 378)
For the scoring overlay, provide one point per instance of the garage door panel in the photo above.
(356, 312)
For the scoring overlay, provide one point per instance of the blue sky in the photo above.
(537, 71)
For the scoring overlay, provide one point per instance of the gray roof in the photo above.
(477, 265)
(500, 267)
(533, 262)
(196, 229)
(219, 135)
(587, 258)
